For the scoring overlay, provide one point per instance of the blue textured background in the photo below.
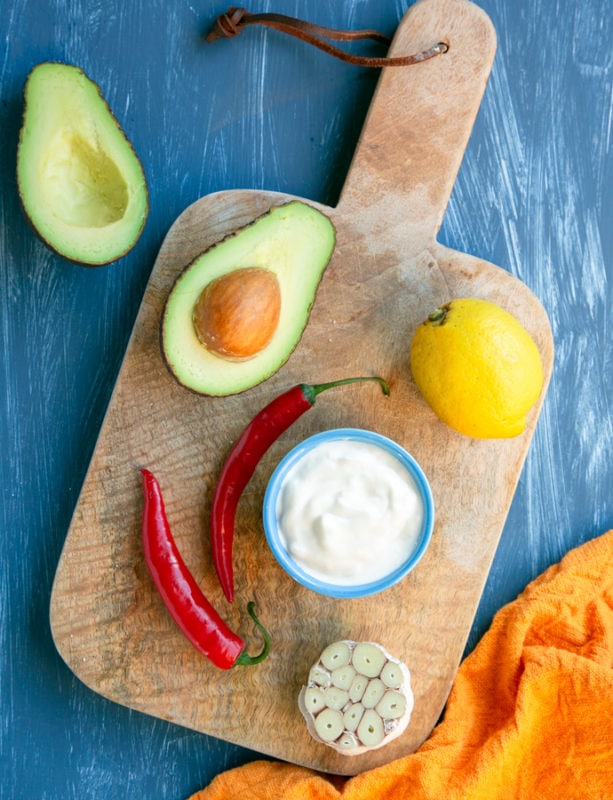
(535, 195)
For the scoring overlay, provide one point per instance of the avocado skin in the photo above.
(139, 184)
(296, 225)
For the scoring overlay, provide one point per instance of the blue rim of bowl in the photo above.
(269, 513)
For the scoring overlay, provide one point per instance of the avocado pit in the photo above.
(237, 314)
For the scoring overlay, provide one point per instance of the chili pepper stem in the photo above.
(311, 391)
(244, 658)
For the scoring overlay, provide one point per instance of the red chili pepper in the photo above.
(184, 599)
(244, 456)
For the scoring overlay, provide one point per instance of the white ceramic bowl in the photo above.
(319, 583)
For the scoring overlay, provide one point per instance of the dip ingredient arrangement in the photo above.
(474, 364)
(385, 275)
(81, 184)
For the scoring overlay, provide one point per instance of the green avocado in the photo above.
(292, 244)
(81, 184)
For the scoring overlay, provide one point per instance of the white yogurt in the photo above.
(349, 512)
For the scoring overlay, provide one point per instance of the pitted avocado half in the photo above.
(80, 182)
(236, 313)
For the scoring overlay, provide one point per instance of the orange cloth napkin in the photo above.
(530, 714)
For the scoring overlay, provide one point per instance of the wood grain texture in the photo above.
(534, 194)
(385, 276)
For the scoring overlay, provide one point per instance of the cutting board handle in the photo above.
(421, 117)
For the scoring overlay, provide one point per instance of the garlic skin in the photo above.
(366, 694)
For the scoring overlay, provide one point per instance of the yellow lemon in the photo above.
(477, 367)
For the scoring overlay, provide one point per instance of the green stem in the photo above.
(438, 316)
(244, 658)
(311, 391)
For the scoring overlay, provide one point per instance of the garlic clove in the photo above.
(314, 699)
(329, 724)
(392, 705)
(370, 729)
(347, 742)
(373, 694)
(368, 659)
(392, 675)
(319, 676)
(357, 688)
(335, 697)
(343, 676)
(336, 655)
(352, 716)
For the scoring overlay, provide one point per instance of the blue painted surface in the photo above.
(535, 195)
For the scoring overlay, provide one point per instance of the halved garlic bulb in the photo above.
(358, 697)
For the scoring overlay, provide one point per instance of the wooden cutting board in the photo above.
(387, 273)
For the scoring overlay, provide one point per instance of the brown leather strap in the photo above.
(236, 19)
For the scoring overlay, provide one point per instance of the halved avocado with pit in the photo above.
(281, 254)
(81, 184)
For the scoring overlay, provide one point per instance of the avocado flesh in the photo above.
(81, 184)
(295, 241)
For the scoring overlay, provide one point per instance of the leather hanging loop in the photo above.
(236, 19)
